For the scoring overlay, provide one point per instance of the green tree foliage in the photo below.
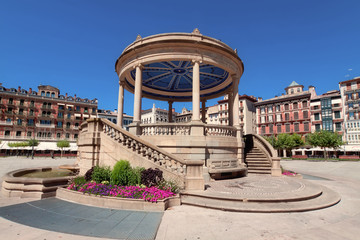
(124, 175)
(325, 139)
(285, 141)
(62, 144)
(18, 144)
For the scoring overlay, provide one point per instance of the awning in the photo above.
(41, 146)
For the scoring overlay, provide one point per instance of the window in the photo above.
(32, 104)
(278, 118)
(29, 134)
(271, 128)
(337, 114)
(47, 94)
(262, 110)
(304, 104)
(316, 107)
(351, 115)
(262, 129)
(327, 125)
(317, 127)
(31, 112)
(60, 124)
(296, 115)
(67, 135)
(85, 109)
(67, 125)
(69, 115)
(76, 136)
(336, 105)
(278, 108)
(296, 127)
(278, 130)
(78, 108)
(287, 118)
(262, 119)
(58, 135)
(61, 107)
(52, 95)
(69, 108)
(60, 114)
(30, 122)
(42, 93)
(295, 105)
(317, 116)
(22, 102)
(7, 133)
(18, 133)
(11, 101)
(19, 122)
(270, 109)
(351, 105)
(286, 107)
(287, 127)
(271, 118)
(305, 114)
(306, 126)
(338, 127)
(349, 96)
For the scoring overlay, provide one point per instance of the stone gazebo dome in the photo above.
(178, 67)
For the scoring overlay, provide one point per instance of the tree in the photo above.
(62, 144)
(325, 139)
(32, 142)
(285, 141)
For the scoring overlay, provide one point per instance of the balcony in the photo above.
(9, 113)
(6, 123)
(39, 125)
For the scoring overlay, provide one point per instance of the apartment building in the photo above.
(44, 114)
(288, 113)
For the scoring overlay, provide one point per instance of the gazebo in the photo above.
(175, 67)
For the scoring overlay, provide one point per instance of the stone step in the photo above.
(259, 171)
(325, 199)
(256, 160)
(254, 166)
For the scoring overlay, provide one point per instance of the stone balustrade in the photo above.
(216, 130)
(151, 152)
(165, 129)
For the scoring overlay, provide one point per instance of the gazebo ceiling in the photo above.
(165, 62)
(176, 77)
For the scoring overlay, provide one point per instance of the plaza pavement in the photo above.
(341, 221)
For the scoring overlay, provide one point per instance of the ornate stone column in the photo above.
(137, 94)
(120, 105)
(235, 98)
(230, 108)
(196, 91)
(170, 111)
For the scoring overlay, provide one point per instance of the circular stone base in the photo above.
(260, 193)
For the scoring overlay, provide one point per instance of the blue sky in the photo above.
(73, 45)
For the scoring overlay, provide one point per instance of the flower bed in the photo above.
(150, 194)
(117, 202)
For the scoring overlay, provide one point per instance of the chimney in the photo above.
(19, 89)
(30, 90)
(66, 95)
(75, 96)
(260, 99)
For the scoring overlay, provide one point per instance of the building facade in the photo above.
(350, 95)
(112, 117)
(326, 112)
(45, 115)
(288, 113)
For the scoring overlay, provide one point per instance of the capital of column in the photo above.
(199, 61)
(139, 65)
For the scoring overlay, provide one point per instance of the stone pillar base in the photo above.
(275, 168)
(135, 129)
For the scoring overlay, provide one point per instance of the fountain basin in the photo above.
(34, 182)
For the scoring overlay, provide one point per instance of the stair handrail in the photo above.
(170, 157)
(271, 151)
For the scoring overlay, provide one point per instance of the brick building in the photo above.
(288, 113)
(45, 115)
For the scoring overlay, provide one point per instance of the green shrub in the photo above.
(124, 175)
(134, 177)
(120, 173)
(80, 180)
(101, 174)
(169, 185)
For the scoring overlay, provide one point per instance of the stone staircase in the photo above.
(257, 162)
